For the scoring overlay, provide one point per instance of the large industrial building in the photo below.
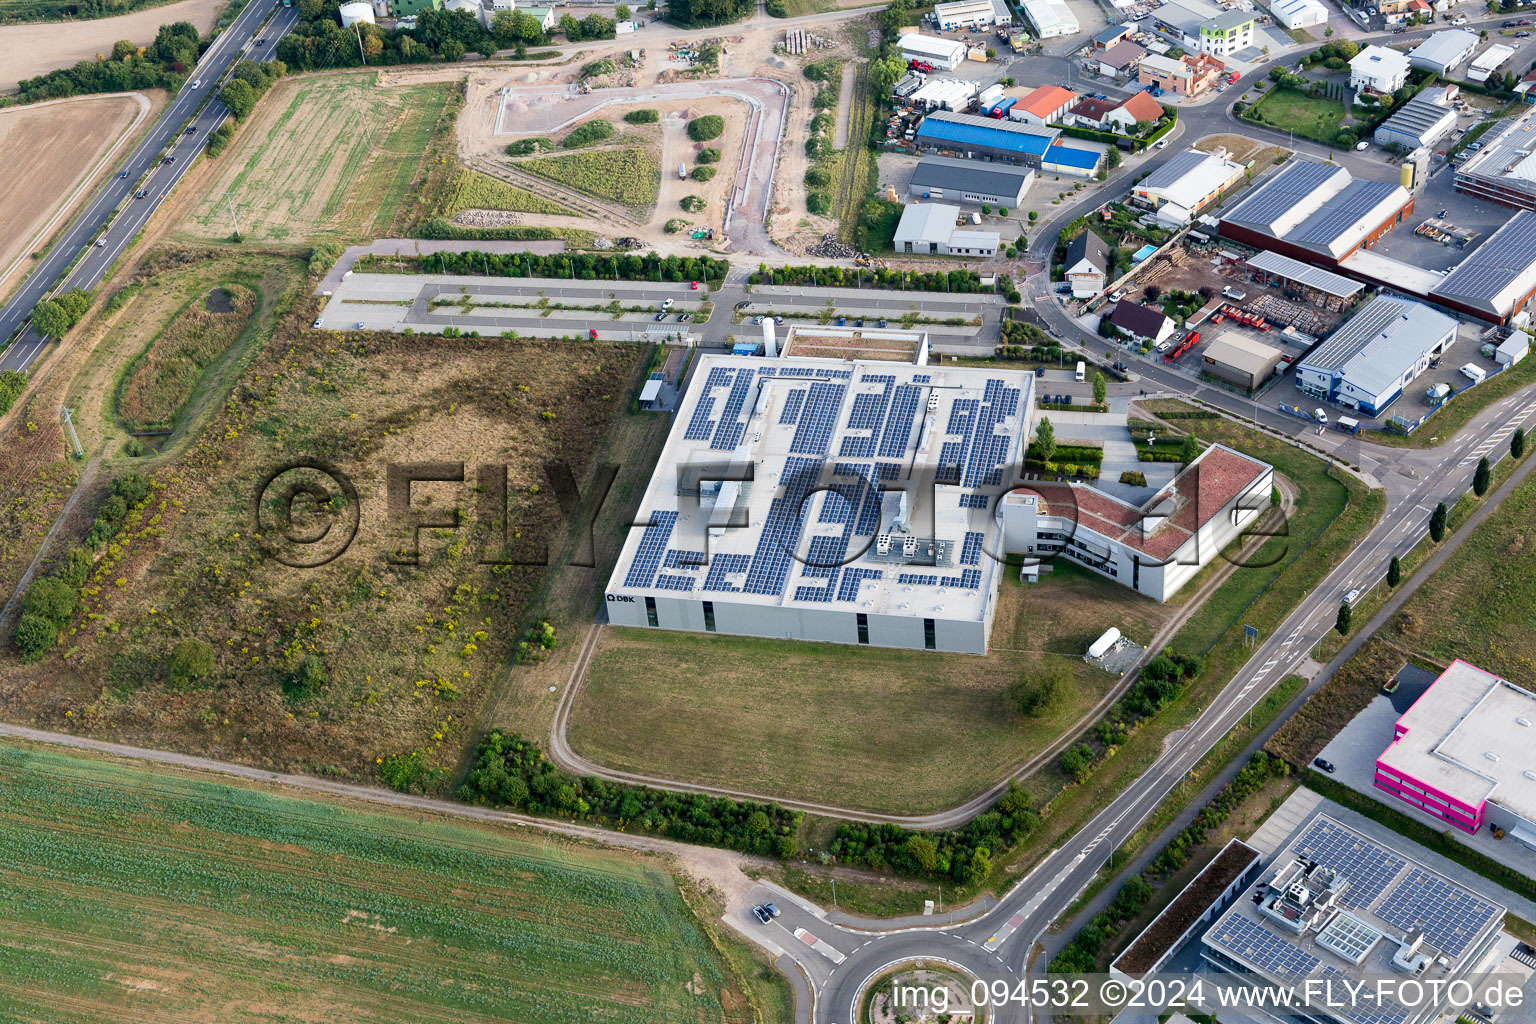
(1337, 906)
(931, 229)
(766, 517)
(1187, 184)
(1504, 171)
(970, 181)
(1316, 212)
(1442, 51)
(1372, 357)
(1299, 13)
(986, 138)
(1050, 18)
(1422, 121)
(1499, 279)
(965, 13)
(1241, 360)
(1155, 548)
(1462, 754)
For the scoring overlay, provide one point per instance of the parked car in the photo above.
(773, 911)
(1523, 34)
(779, 320)
(882, 323)
(1039, 371)
(761, 914)
(1327, 766)
(842, 321)
(756, 321)
(859, 322)
(683, 318)
(660, 317)
(592, 333)
(1121, 367)
(666, 304)
(319, 322)
(693, 286)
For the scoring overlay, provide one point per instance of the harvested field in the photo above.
(149, 894)
(873, 728)
(336, 667)
(50, 149)
(30, 50)
(340, 158)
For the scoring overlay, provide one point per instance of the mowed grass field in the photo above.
(339, 158)
(134, 893)
(864, 727)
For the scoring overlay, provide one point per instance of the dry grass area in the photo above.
(49, 150)
(336, 157)
(1337, 702)
(873, 728)
(408, 653)
(35, 481)
(159, 384)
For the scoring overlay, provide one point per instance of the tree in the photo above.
(373, 45)
(1437, 523)
(1517, 442)
(1394, 572)
(1038, 688)
(52, 599)
(884, 73)
(1100, 388)
(1112, 158)
(1045, 439)
(453, 51)
(1190, 451)
(35, 636)
(240, 98)
(189, 663)
(1152, 292)
(309, 10)
(124, 49)
(1482, 477)
(923, 851)
(50, 320)
(309, 678)
(1076, 762)
(526, 28)
(1342, 622)
(622, 12)
(703, 129)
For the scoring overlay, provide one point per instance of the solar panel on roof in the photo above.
(1341, 213)
(792, 403)
(1450, 916)
(818, 419)
(683, 559)
(1370, 868)
(721, 566)
(1276, 197)
(653, 542)
(848, 589)
(1261, 948)
(898, 422)
(669, 582)
(1494, 265)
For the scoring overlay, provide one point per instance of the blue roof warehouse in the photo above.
(1004, 141)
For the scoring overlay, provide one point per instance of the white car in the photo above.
(197, 83)
(361, 325)
(1351, 597)
(319, 321)
(1165, 345)
(667, 304)
(1458, 22)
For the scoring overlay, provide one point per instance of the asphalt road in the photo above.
(114, 207)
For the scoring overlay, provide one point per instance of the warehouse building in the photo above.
(828, 499)
(929, 229)
(1086, 264)
(1045, 105)
(1422, 121)
(1499, 278)
(1072, 161)
(1299, 13)
(943, 54)
(1238, 359)
(965, 13)
(1443, 51)
(1335, 906)
(1461, 753)
(1050, 18)
(1298, 280)
(970, 181)
(984, 138)
(1316, 212)
(1504, 171)
(1155, 548)
(1373, 356)
(1186, 184)
(1489, 61)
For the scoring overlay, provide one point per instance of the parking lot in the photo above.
(964, 320)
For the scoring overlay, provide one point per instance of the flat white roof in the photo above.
(819, 438)
(1444, 49)
(946, 49)
(1472, 736)
(1404, 276)
(1050, 15)
(974, 240)
(927, 222)
(1190, 177)
(1379, 60)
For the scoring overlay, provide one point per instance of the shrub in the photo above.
(189, 663)
(1038, 688)
(409, 773)
(675, 225)
(818, 177)
(588, 134)
(711, 155)
(643, 116)
(1133, 478)
(702, 129)
(702, 173)
(35, 637)
(818, 202)
(77, 567)
(308, 678)
(693, 204)
(527, 147)
(52, 599)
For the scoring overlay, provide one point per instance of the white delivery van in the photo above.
(1082, 372)
(1473, 373)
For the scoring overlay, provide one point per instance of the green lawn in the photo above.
(869, 727)
(628, 175)
(1457, 413)
(137, 893)
(1291, 110)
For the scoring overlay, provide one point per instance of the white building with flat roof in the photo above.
(930, 229)
(1050, 18)
(944, 54)
(1378, 68)
(965, 13)
(1374, 355)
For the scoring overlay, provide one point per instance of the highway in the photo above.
(145, 170)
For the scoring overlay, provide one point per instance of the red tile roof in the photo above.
(1143, 107)
(1048, 99)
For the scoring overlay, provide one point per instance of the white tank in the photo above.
(1104, 643)
(358, 12)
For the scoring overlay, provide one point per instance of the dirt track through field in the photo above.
(29, 50)
(844, 106)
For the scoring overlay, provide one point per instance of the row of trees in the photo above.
(963, 855)
(583, 266)
(54, 317)
(854, 277)
(12, 384)
(512, 771)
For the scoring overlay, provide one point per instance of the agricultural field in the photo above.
(377, 661)
(49, 150)
(474, 191)
(148, 894)
(627, 175)
(158, 385)
(29, 47)
(331, 158)
(873, 728)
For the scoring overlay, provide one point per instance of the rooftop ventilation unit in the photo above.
(1490, 755)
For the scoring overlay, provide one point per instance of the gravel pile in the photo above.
(830, 248)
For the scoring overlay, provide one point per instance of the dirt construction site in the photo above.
(760, 92)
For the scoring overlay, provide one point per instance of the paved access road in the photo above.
(144, 170)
